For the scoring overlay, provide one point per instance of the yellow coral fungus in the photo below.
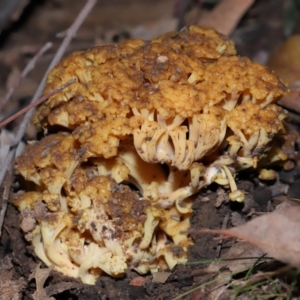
(144, 128)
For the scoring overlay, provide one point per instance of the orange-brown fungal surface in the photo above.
(146, 125)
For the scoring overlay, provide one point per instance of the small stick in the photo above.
(220, 243)
(9, 157)
(30, 66)
(71, 32)
(185, 7)
(37, 102)
(5, 196)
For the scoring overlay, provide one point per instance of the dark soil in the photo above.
(18, 253)
(260, 30)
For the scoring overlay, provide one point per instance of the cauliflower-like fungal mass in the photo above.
(146, 125)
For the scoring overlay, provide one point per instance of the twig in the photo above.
(70, 34)
(9, 157)
(184, 9)
(220, 243)
(24, 73)
(265, 275)
(5, 196)
(37, 102)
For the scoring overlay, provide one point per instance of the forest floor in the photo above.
(258, 33)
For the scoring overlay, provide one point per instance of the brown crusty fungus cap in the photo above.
(146, 125)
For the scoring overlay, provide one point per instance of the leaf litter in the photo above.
(241, 249)
(226, 15)
(10, 288)
(276, 233)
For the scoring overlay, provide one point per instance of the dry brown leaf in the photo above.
(238, 250)
(217, 290)
(40, 276)
(151, 29)
(138, 281)
(291, 100)
(226, 15)
(276, 233)
(10, 288)
(237, 219)
(219, 293)
(60, 287)
(161, 277)
(285, 61)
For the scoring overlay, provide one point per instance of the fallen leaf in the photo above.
(222, 197)
(161, 277)
(238, 250)
(10, 288)
(291, 100)
(276, 233)
(198, 294)
(138, 281)
(237, 219)
(151, 29)
(40, 276)
(226, 15)
(285, 61)
(60, 287)
(220, 293)
(217, 290)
